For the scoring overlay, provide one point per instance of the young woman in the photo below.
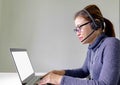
(102, 63)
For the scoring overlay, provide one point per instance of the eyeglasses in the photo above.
(78, 28)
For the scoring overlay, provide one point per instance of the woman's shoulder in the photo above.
(111, 41)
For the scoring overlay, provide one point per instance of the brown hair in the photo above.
(95, 12)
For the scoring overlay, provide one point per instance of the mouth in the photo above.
(80, 38)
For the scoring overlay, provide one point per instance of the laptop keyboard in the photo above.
(33, 81)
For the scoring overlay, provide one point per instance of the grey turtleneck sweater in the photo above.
(102, 64)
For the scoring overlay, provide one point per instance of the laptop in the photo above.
(24, 67)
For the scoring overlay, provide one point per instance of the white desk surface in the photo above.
(9, 79)
(12, 78)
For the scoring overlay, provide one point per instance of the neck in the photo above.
(94, 38)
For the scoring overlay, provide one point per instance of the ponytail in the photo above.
(109, 30)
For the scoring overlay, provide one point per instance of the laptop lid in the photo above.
(23, 64)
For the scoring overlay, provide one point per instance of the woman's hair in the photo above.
(96, 14)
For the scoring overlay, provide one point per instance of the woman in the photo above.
(102, 63)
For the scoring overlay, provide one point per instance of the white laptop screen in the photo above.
(23, 64)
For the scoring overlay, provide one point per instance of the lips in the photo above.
(81, 38)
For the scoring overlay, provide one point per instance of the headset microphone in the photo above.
(88, 36)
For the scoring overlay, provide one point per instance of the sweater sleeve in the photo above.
(110, 71)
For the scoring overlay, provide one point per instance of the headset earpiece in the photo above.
(97, 26)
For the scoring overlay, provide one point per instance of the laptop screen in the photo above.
(23, 63)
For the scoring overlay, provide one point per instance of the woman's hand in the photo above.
(52, 78)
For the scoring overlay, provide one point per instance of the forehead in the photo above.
(80, 20)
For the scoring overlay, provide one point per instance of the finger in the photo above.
(45, 80)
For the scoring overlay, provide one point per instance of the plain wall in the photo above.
(0, 15)
(45, 29)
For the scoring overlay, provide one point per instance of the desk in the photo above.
(12, 78)
(9, 79)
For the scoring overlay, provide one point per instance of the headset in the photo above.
(95, 24)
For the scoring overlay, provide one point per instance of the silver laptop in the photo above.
(24, 67)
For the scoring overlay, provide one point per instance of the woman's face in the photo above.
(83, 29)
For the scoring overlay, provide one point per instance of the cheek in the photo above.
(87, 30)
(84, 31)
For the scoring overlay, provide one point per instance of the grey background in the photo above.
(45, 29)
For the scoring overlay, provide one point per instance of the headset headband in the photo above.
(90, 17)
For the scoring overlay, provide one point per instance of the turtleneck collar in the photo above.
(97, 42)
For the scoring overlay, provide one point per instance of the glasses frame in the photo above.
(78, 28)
